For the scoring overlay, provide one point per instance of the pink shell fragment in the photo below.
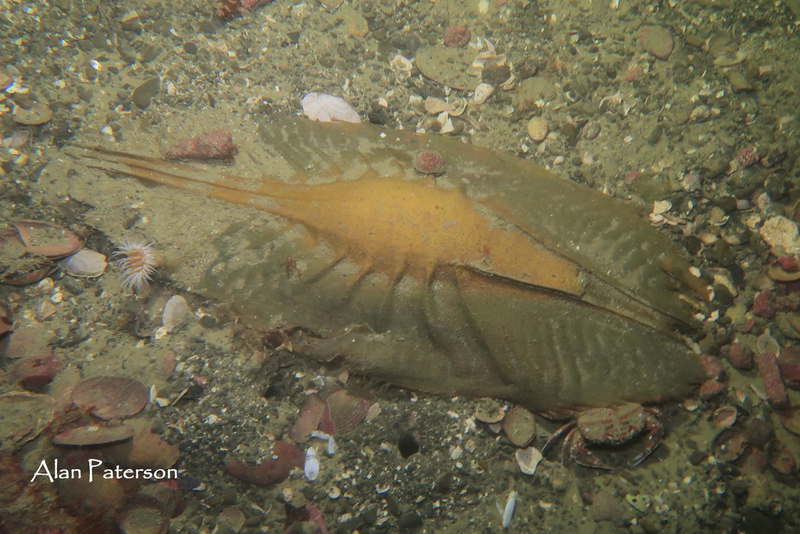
(310, 417)
(110, 397)
(343, 412)
(328, 108)
(271, 470)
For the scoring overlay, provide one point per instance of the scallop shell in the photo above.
(328, 108)
(175, 310)
(84, 264)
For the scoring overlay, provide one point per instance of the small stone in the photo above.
(145, 92)
(710, 389)
(713, 367)
(657, 40)
(782, 236)
(410, 521)
(771, 376)
(456, 36)
(764, 305)
(789, 361)
(604, 507)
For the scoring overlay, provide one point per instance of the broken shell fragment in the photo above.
(275, 468)
(482, 93)
(24, 417)
(434, 105)
(724, 417)
(528, 459)
(328, 108)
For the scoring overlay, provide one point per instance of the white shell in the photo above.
(330, 447)
(84, 264)
(508, 512)
(311, 465)
(175, 310)
(328, 108)
(482, 92)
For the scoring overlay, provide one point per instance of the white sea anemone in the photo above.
(137, 263)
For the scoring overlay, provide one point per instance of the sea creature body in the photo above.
(137, 262)
(610, 427)
(499, 279)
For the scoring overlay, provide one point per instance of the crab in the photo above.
(610, 427)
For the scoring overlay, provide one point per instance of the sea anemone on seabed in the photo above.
(137, 263)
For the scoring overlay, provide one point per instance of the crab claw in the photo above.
(580, 453)
(655, 431)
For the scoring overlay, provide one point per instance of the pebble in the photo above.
(771, 376)
(538, 129)
(145, 92)
(604, 507)
(410, 520)
(739, 355)
(657, 40)
(782, 236)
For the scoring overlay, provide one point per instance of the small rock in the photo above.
(605, 507)
(410, 521)
(710, 389)
(739, 355)
(789, 361)
(145, 92)
(771, 376)
(782, 236)
(537, 129)
(657, 40)
(764, 305)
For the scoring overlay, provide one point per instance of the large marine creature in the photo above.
(499, 279)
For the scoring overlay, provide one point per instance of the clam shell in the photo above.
(84, 264)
